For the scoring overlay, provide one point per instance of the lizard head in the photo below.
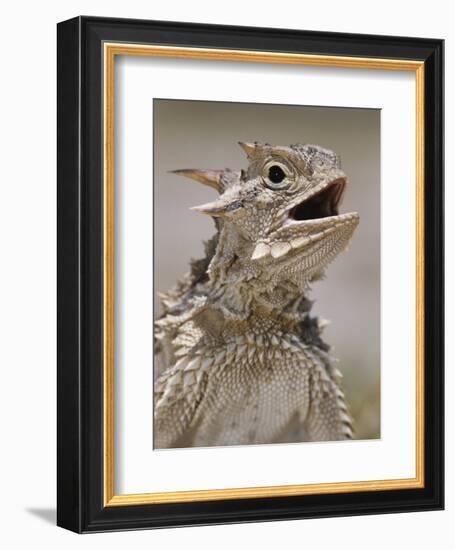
(281, 215)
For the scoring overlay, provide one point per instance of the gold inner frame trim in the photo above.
(110, 50)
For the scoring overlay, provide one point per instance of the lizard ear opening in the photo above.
(212, 178)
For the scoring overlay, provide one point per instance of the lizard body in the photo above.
(239, 358)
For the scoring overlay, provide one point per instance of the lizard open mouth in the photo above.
(307, 224)
(323, 204)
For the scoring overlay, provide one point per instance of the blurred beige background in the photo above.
(200, 134)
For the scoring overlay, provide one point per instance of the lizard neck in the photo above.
(244, 287)
(229, 315)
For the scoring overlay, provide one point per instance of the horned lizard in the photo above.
(239, 359)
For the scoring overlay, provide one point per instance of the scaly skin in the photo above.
(239, 359)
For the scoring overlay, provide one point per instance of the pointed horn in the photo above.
(212, 178)
(249, 148)
(217, 208)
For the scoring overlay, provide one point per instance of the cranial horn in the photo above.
(249, 148)
(215, 208)
(212, 178)
(218, 208)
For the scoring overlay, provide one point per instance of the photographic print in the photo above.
(267, 273)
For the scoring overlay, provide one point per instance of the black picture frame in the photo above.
(81, 505)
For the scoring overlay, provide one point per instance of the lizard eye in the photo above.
(276, 175)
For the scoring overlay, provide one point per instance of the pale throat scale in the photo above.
(238, 357)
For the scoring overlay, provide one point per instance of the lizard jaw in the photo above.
(305, 234)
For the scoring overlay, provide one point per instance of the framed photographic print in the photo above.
(250, 274)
